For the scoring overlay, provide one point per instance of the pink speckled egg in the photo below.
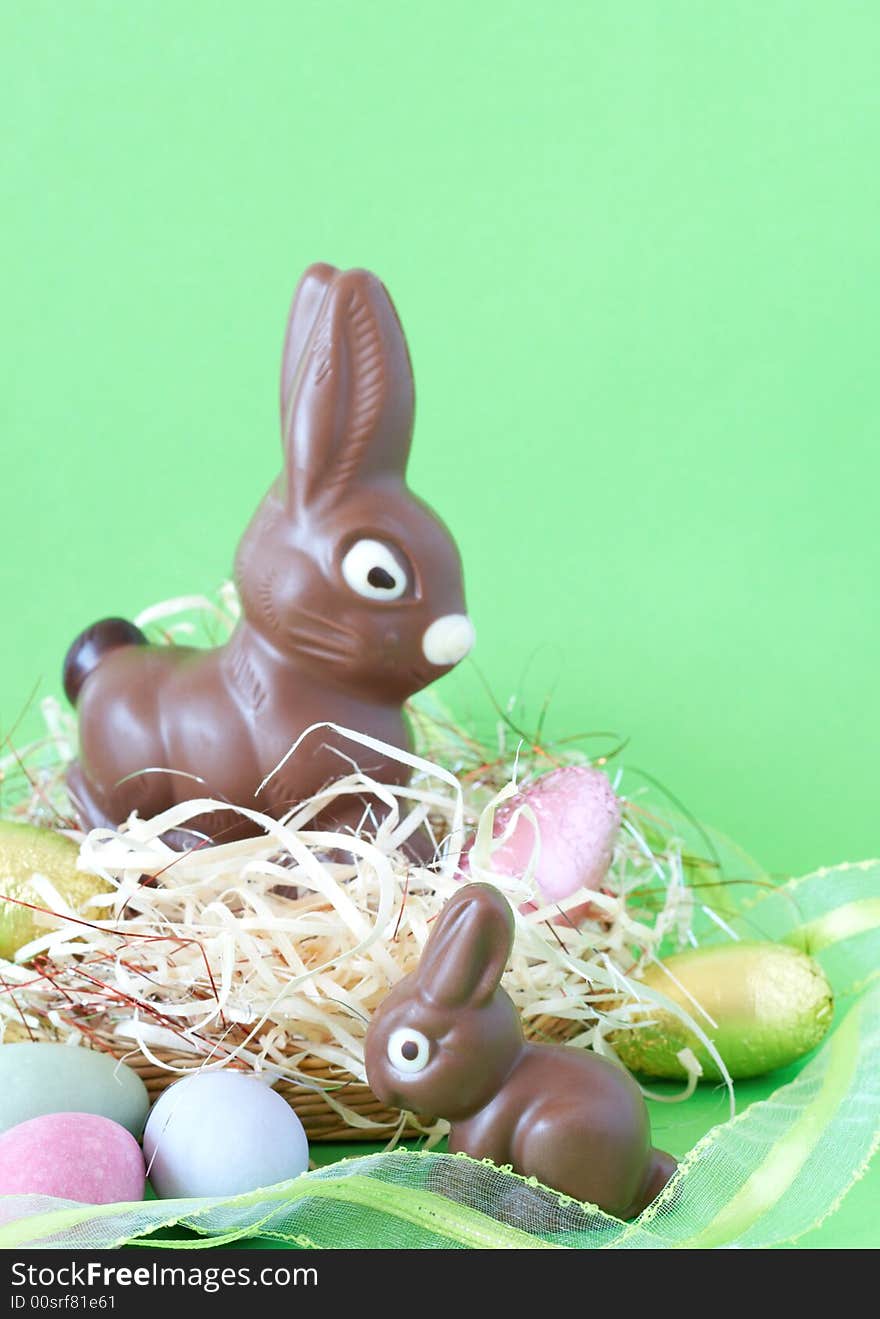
(578, 816)
(72, 1156)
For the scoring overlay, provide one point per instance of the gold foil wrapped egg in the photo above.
(769, 1004)
(26, 853)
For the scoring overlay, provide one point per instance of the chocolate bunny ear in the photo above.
(350, 399)
(468, 948)
(310, 293)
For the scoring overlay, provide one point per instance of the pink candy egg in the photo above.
(72, 1156)
(578, 819)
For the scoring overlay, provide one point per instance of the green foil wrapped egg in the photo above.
(771, 1004)
(25, 852)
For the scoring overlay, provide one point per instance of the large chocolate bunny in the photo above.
(447, 1040)
(351, 594)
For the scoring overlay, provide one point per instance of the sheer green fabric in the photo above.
(764, 1178)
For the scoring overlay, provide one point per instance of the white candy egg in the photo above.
(222, 1133)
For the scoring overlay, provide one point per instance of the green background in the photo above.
(635, 249)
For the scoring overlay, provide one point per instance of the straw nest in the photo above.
(271, 953)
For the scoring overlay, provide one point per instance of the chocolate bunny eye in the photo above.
(371, 568)
(408, 1050)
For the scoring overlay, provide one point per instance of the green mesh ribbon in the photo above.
(764, 1178)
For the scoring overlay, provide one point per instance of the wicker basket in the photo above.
(322, 1122)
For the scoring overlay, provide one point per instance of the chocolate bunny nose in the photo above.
(448, 639)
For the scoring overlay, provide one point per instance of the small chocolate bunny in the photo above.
(447, 1040)
(351, 594)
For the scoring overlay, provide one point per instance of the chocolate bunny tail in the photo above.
(661, 1168)
(90, 647)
